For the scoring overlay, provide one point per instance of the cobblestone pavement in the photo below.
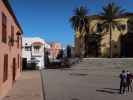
(91, 79)
(28, 87)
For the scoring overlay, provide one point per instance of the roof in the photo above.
(37, 43)
(127, 14)
(7, 4)
(94, 17)
(30, 40)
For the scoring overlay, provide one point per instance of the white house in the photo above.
(33, 51)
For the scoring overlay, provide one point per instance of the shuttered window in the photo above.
(5, 71)
(18, 61)
(12, 34)
(4, 28)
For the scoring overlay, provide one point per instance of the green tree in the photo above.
(79, 22)
(109, 15)
(79, 19)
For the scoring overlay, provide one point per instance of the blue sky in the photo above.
(49, 19)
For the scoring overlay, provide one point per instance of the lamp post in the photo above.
(12, 40)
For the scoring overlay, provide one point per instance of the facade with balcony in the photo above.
(10, 48)
(33, 52)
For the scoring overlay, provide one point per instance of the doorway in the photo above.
(14, 70)
(127, 45)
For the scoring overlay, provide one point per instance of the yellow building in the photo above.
(121, 42)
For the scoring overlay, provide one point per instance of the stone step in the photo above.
(106, 62)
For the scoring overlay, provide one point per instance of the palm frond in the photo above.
(79, 20)
(109, 14)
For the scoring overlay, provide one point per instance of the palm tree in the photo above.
(79, 23)
(109, 15)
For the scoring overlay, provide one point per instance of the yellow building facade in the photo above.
(116, 41)
(121, 41)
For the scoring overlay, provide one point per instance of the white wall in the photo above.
(37, 55)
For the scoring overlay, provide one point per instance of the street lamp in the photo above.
(12, 40)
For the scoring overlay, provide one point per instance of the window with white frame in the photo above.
(37, 48)
(27, 48)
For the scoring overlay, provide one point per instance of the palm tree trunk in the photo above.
(110, 41)
(78, 44)
(86, 49)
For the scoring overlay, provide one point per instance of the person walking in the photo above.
(123, 81)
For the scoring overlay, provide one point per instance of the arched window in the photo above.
(99, 27)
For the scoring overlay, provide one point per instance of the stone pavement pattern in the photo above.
(91, 79)
(27, 87)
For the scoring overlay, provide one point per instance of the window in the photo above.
(4, 28)
(17, 41)
(21, 64)
(18, 37)
(18, 60)
(123, 27)
(20, 42)
(12, 34)
(33, 58)
(37, 48)
(115, 46)
(99, 27)
(5, 71)
(27, 48)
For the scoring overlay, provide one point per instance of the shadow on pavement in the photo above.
(108, 90)
(78, 74)
(75, 99)
(111, 89)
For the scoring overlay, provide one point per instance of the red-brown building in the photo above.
(54, 50)
(10, 48)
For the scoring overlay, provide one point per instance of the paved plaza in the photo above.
(27, 87)
(91, 79)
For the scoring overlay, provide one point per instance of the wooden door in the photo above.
(14, 69)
